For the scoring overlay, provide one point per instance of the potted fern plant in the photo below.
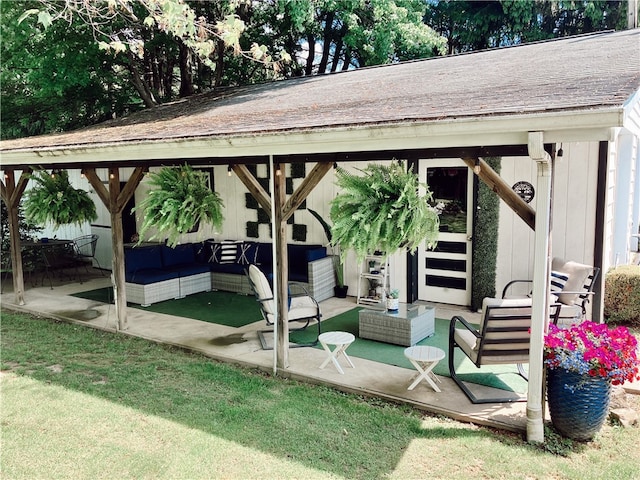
(340, 290)
(382, 210)
(177, 202)
(53, 199)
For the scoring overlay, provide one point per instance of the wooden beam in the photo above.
(13, 194)
(130, 188)
(254, 187)
(305, 188)
(489, 176)
(98, 186)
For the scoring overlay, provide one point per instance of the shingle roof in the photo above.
(573, 74)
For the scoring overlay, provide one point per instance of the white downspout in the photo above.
(540, 307)
(276, 314)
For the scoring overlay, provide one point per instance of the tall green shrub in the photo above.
(622, 295)
(485, 240)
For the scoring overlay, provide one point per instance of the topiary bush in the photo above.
(622, 295)
(485, 240)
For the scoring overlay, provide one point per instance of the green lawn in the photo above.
(80, 403)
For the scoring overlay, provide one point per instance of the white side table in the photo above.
(341, 340)
(424, 359)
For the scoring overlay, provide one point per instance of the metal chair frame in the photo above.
(497, 342)
(85, 249)
(267, 302)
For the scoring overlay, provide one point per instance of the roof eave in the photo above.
(585, 125)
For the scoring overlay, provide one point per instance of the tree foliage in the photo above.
(55, 79)
(72, 63)
(476, 25)
(336, 35)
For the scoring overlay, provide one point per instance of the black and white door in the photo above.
(444, 274)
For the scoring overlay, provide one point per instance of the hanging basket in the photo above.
(578, 404)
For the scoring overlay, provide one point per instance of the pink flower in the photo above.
(593, 349)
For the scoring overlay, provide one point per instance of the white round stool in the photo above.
(341, 340)
(424, 359)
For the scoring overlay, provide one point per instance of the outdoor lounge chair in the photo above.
(302, 307)
(502, 338)
(572, 284)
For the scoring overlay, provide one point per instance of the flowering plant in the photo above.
(593, 349)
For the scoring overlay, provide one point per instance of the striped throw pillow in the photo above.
(228, 251)
(558, 281)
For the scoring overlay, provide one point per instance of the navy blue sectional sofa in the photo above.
(228, 261)
(155, 272)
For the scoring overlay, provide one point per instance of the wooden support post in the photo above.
(281, 263)
(11, 195)
(115, 200)
(282, 210)
(118, 249)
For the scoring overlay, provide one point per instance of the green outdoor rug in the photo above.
(223, 308)
(504, 377)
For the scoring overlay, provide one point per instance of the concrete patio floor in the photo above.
(241, 346)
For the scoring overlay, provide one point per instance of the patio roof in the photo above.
(572, 88)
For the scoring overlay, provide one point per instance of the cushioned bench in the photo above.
(156, 273)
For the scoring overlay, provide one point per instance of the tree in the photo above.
(55, 79)
(342, 34)
(476, 25)
(148, 35)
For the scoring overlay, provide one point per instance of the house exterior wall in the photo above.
(573, 221)
(624, 199)
(573, 217)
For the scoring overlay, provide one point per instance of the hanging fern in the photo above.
(382, 210)
(178, 201)
(54, 200)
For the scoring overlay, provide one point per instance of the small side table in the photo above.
(341, 340)
(424, 359)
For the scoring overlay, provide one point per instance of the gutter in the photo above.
(591, 125)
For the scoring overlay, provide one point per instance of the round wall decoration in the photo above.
(524, 190)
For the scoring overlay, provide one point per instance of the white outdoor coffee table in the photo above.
(341, 340)
(424, 359)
